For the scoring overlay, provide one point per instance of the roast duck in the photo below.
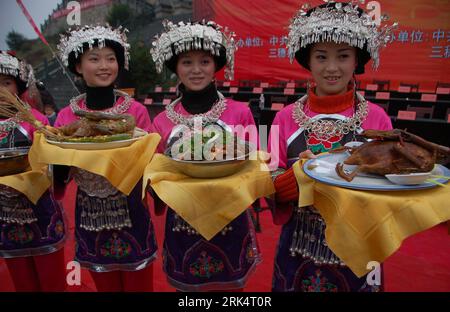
(392, 152)
(96, 126)
(91, 127)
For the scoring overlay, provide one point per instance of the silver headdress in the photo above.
(182, 37)
(339, 23)
(12, 66)
(75, 39)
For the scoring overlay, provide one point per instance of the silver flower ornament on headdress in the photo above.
(339, 23)
(183, 37)
(12, 66)
(91, 35)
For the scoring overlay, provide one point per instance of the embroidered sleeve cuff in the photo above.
(286, 187)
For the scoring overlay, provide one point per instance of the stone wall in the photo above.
(92, 15)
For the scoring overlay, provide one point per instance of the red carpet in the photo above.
(421, 264)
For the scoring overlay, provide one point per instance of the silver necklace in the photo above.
(210, 116)
(116, 109)
(326, 129)
(8, 125)
(6, 129)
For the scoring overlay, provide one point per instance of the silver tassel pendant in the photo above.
(98, 214)
(180, 225)
(16, 208)
(308, 240)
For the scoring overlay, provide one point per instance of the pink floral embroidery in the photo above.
(316, 144)
(206, 266)
(115, 247)
(318, 283)
(20, 234)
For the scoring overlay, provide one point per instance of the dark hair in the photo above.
(362, 56)
(117, 48)
(21, 86)
(46, 97)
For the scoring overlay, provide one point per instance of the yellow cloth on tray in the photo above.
(122, 167)
(208, 205)
(364, 226)
(32, 184)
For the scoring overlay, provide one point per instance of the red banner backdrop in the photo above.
(419, 53)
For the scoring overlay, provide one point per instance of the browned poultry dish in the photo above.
(393, 152)
(91, 127)
(95, 124)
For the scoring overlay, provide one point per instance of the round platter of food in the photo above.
(323, 169)
(13, 160)
(213, 158)
(389, 161)
(101, 142)
(96, 131)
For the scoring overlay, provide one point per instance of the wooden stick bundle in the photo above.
(12, 106)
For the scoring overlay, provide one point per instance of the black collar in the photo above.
(198, 102)
(99, 98)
